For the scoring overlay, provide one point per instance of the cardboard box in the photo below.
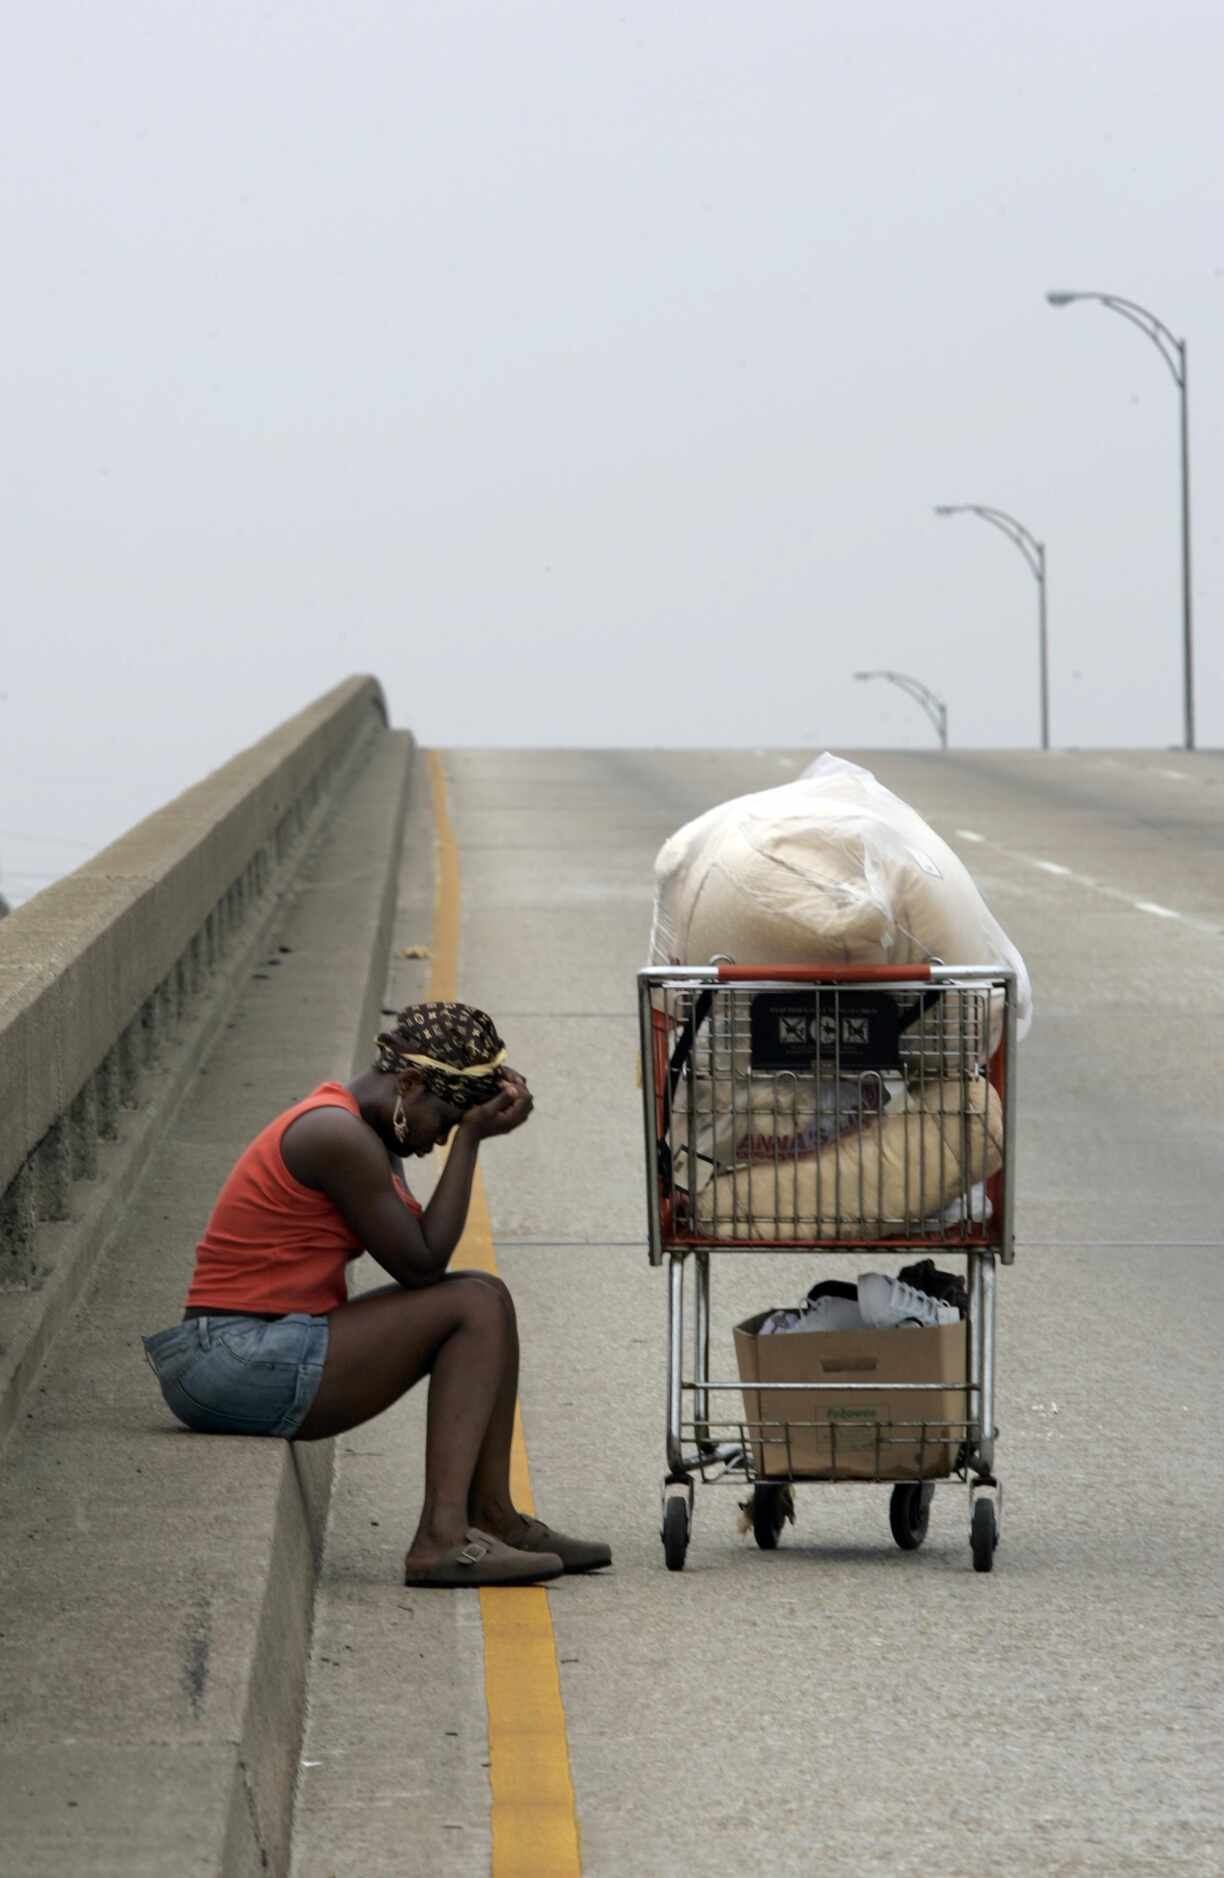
(858, 1438)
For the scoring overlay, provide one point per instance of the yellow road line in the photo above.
(444, 966)
(534, 1821)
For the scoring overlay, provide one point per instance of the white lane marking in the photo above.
(1171, 775)
(1096, 886)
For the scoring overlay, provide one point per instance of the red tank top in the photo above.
(272, 1244)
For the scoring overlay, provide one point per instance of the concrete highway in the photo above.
(837, 1706)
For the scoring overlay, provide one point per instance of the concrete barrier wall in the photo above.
(100, 970)
(156, 1669)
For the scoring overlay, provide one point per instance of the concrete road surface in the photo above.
(836, 1706)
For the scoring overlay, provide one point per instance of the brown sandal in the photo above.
(483, 1560)
(576, 1555)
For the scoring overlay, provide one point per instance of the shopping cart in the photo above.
(864, 1109)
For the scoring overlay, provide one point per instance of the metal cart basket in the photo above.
(864, 1109)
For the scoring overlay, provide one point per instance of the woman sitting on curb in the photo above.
(271, 1345)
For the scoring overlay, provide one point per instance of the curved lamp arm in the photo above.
(1171, 349)
(914, 688)
(1028, 544)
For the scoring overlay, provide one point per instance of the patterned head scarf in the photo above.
(454, 1047)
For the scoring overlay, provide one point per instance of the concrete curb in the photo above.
(262, 1798)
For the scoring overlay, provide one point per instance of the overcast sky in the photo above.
(588, 371)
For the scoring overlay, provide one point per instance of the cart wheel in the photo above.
(675, 1532)
(983, 1535)
(771, 1508)
(909, 1512)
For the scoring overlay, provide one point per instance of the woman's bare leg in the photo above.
(489, 1503)
(461, 1333)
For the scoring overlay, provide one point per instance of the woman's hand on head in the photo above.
(505, 1112)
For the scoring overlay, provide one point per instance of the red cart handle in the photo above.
(826, 974)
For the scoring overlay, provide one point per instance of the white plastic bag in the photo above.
(832, 869)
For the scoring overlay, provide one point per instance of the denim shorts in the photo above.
(240, 1375)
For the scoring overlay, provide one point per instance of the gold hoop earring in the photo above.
(399, 1121)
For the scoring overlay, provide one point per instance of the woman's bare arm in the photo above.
(340, 1155)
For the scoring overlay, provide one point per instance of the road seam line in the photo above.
(1094, 886)
(533, 1814)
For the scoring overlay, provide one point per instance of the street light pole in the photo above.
(934, 706)
(1044, 646)
(1187, 590)
(1035, 557)
(1173, 352)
